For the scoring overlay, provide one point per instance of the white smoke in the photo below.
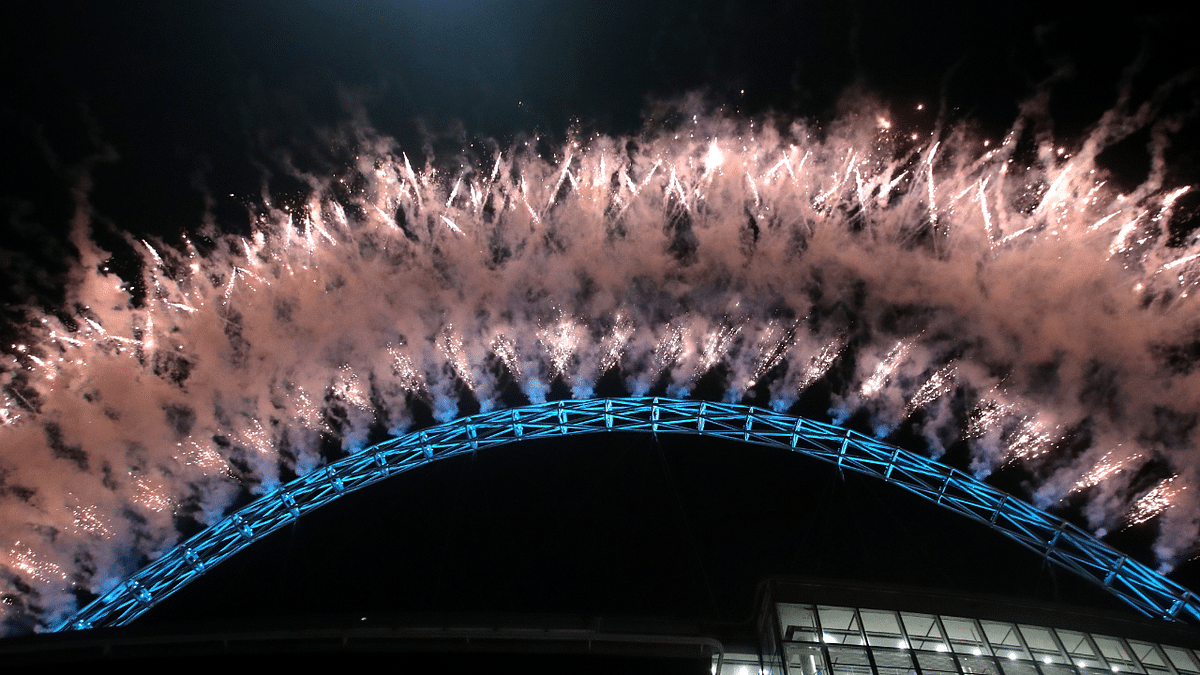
(938, 263)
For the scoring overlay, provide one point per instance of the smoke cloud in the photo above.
(998, 290)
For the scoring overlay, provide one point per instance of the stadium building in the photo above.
(825, 552)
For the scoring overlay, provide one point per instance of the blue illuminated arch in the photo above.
(1059, 541)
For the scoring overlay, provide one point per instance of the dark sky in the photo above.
(166, 103)
(195, 97)
(620, 524)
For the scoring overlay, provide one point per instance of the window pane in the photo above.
(936, 662)
(1079, 649)
(849, 660)
(1041, 645)
(893, 661)
(1181, 659)
(1039, 640)
(1010, 654)
(1017, 667)
(1056, 669)
(1118, 657)
(1149, 656)
(838, 618)
(804, 660)
(1075, 643)
(739, 664)
(923, 632)
(981, 665)
(965, 638)
(839, 625)
(883, 628)
(880, 621)
(798, 622)
(1004, 639)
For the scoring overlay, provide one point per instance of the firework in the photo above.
(1154, 502)
(885, 368)
(1111, 464)
(933, 260)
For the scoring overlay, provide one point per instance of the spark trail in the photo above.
(899, 267)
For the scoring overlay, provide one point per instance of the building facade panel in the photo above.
(826, 639)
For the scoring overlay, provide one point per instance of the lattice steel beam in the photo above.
(1059, 541)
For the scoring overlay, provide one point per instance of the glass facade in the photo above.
(816, 639)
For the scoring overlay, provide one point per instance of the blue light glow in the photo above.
(1060, 542)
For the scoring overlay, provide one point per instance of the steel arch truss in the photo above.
(1059, 541)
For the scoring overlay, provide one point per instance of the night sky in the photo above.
(185, 110)
(197, 98)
